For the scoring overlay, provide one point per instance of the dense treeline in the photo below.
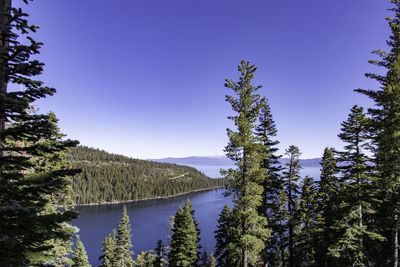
(108, 177)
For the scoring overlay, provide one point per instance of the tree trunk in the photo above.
(244, 258)
(5, 6)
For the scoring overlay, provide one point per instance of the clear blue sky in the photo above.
(144, 78)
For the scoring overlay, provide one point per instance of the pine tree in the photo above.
(145, 259)
(79, 257)
(309, 221)
(358, 193)
(188, 207)
(184, 240)
(246, 180)
(291, 176)
(272, 184)
(123, 241)
(33, 175)
(223, 238)
(109, 257)
(329, 188)
(204, 259)
(211, 260)
(280, 257)
(386, 138)
(160, 255)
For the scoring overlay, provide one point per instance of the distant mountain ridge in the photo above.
(224, 161)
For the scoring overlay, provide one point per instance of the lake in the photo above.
(213, 171)
(149, 219)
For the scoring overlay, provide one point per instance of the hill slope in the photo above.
(108, 177)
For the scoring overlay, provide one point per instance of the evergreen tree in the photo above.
(244, 148)
(280, 257)
(146, 259)
(33, 175)
(266, 131)
(329, 188)
(211, 260)
(123, 241)
(109, 257)
(184, 240)
(160, 255)
(204, 259)
(386, 139)
(291, 176)
(309, 221)
(223, 238)
(188, 207)
(79, 257)
(357, 194)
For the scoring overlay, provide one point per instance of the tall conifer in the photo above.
(79, 257)
(184, 241)
(272, 184)
(328, 194)
(291, 176)
(385, 128)
(211, 260)
(33, 175)
(123, 241)
(357, 194)
(160, 255)
(109, 257)
(247, 178)
(223, 237)
(308, 226)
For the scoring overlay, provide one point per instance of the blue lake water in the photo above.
(149, 219)
(214, 171)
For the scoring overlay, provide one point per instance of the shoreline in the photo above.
(144, 199)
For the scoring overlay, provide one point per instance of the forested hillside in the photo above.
(108, 177)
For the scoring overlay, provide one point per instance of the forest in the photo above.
(108, 177)
(349, 216)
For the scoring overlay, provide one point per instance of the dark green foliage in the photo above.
(34, 183)
(123, 241)
(270, 207)
(278, 256)
(204, 259)
(308, 222)
(108, 177)
(79, 257)
(357, 194)
(117, 246)
(223, 237)
(245, 181)
(146, 259)
(384, 126)
(291, 176)
(188, 207)
(160, 260)
(329, 187)
(211, 260)
(109, 257)
(184, 241)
